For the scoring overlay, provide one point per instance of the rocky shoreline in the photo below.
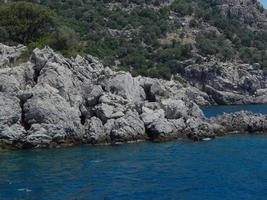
(52, 101)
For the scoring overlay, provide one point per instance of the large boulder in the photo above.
(164, 129)
(174, 109)
(94, 132)
(11, 124)
(124, 85)
(148, 115)
(14, 79)
(10, 109)
(127, 128)
(111, 106)
(46, 106)
(12, 136)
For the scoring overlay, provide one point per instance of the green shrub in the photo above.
(23, 22)
(83, 26)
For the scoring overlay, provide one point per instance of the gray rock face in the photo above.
(148, 116)
(174, 108)
(229, 84)
(10, 109)
(249, 12)
(46, 106)
(123, 84)
(127, 128)
(94, 95)
(242, 122)
(52, 101)
(164, 129)
(11, 129)
(15, 79)
(9, 55)
(94, 132)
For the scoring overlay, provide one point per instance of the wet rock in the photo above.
(38, 140)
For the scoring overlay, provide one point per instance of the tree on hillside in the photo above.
(24, 22)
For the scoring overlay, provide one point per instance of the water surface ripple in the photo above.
(233, 167)
(228, 168)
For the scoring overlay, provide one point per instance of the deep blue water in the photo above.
(211, 111)
(227, 168)
(232, 167)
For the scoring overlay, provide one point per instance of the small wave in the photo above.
(96, 161)
(206, 139)
(24, 190)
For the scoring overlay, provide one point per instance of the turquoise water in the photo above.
(227, 168)
(211, 111)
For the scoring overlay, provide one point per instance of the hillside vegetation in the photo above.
(148, 37)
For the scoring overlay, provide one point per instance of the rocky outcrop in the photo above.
(244, 122)
(249, 12)
(52, 101)
(9, 55)
(229, 83)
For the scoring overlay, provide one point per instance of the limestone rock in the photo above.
(52, 101)
(228, 83)
(46, 106)
(124, 85)
(164, 129)
(242, 122)
(10, 109)
(9, 55)
(148, 116)
(94, 131)
(127, 128)
(174, 109)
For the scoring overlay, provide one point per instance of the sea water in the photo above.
(227, 168)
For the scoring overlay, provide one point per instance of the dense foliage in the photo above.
(130, 37)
